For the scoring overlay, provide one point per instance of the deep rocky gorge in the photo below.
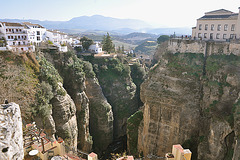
(191, 99)
(103, 101)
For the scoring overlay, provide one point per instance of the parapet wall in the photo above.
(196, 46)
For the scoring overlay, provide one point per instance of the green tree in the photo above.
(122, 48)
(119, 49)
(86, 42)
(162, 38)
(108, 44)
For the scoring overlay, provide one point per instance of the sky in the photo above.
(158, 13)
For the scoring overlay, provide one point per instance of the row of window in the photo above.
(38, 38)
(19, 43)
(211, 36)
(219, 26)
(38, 32)
(17, 37)
(12, 30)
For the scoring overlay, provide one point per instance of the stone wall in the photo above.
(193, 46)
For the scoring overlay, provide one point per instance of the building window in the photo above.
(20, 30)
(38, 38)
(212, 27)
(14, 43)
(233, 27)
(219, 27)
(6, 30)
(225, 27)
(16, 30)
(19, 43)
(38, 32)
(9, 37)
(232, 36)
(224, 36)
(205, 35)
(199, 35)
(200, 27)
(211, 35)
(217, 35)
(18, 37)
(10, 30)
(206, 27)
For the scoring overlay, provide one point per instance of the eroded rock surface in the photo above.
(101, 115)
(11, 134)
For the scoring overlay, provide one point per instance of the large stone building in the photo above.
(218, 25)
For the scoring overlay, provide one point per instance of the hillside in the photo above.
(96, 22)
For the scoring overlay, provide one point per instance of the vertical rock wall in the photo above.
(101, 115)
(11, 134)
(192, 100)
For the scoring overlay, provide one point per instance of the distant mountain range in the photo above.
(99, 23)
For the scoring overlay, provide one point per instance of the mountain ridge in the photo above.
(102, 23)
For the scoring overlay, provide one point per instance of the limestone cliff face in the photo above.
(124, 103)
(71, 70)
(64, 116)
(171, 109)
(101, 115)
(192, 100)
(11, 134)
(115, 80)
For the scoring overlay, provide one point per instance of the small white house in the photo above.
(95, 47)
(36, 33)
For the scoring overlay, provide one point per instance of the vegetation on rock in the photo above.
(108, 44)
(132, 131)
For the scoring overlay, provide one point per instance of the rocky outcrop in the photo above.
(72, 72)
(192, 100)
(171, 106)
(11, 134)
(101, 116)
(64, 116)
(124, 103)
(115, 80)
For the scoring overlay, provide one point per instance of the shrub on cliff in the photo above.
(43, 107)
(49, 73)
(133, 123)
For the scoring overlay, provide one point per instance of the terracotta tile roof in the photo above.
(92, 154)
(12, 24)
(56, 31)
(30, 24)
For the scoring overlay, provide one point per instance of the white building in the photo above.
(16, 37)
(218, 25)
(59, 39)
(95, 47)
(36, 33)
